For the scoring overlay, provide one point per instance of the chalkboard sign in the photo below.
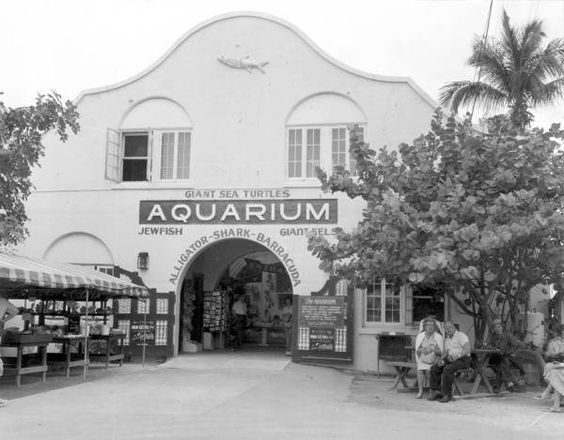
(321, 311)
(138, 328)
(323, 330)
(322, 339)
(74, 324)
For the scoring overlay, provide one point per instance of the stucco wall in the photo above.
(232, 110)
(238, 120)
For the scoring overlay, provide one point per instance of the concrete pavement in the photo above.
(229, 395)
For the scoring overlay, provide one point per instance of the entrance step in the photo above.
(266, 361)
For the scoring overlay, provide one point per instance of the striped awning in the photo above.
(19, 274)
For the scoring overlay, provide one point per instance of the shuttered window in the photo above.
(172, 154)
(148, 155)
(383, 303)
(113, 155)
(326, 147)
(135, 157)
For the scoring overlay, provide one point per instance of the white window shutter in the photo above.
(113, 155)
(408, 295)
(155, 156)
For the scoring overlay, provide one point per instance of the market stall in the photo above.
(60, 284)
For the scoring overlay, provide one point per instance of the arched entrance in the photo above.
(219, 275)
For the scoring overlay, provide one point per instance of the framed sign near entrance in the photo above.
(323, 330)
(147, 324)
(143, 332)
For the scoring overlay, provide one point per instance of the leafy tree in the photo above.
(518, 71)
(21, 131)
(477, 214)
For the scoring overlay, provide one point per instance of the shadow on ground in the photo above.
(32, 384)
(371, 390)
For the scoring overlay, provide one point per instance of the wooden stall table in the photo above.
(19, 341)
(108, 357)
(67, 359)
(480, 358)
(403, 368)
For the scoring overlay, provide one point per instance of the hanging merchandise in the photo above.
(214, 311)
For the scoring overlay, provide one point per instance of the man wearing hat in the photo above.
(504, 362)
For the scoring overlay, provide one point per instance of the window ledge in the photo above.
(184, 184)
(303, 183)
(389, 330)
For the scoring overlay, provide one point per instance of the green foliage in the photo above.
(479, 214)
(518, 71)
(21, 131)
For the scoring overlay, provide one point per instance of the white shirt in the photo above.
(4, 306)
(286, 313)
(239, 308)
(454, 345)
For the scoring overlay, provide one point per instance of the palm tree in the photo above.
(516, 72)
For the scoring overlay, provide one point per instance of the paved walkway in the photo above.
(257, 396)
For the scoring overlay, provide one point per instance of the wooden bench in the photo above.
(402, 370)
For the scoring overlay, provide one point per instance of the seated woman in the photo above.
(554, 370)
(439, 327)
(428, 349)
(555, 348)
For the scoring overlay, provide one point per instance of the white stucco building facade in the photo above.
(208, 157)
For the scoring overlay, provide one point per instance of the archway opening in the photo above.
(236, 294)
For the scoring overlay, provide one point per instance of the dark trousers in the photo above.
(443, 376)
(238, 326)
(505, 367)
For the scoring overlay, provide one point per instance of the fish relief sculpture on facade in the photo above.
(243, 63)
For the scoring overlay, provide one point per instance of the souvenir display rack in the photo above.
(214, 311)
(214, 319)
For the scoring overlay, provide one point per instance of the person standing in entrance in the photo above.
(239, 311)
(7, 312)
(456, 356)
(287, 320)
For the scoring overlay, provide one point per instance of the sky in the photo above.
(74, 45)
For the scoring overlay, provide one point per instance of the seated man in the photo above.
(506, 361)
(456, 356)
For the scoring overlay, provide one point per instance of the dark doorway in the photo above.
(227, 271)
(191, 309)
(428, 301)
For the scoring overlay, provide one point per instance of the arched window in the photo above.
(153, 143)
(69, 248)
(318, 132)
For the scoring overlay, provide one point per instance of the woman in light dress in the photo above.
(554, 370)
(428, 349)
